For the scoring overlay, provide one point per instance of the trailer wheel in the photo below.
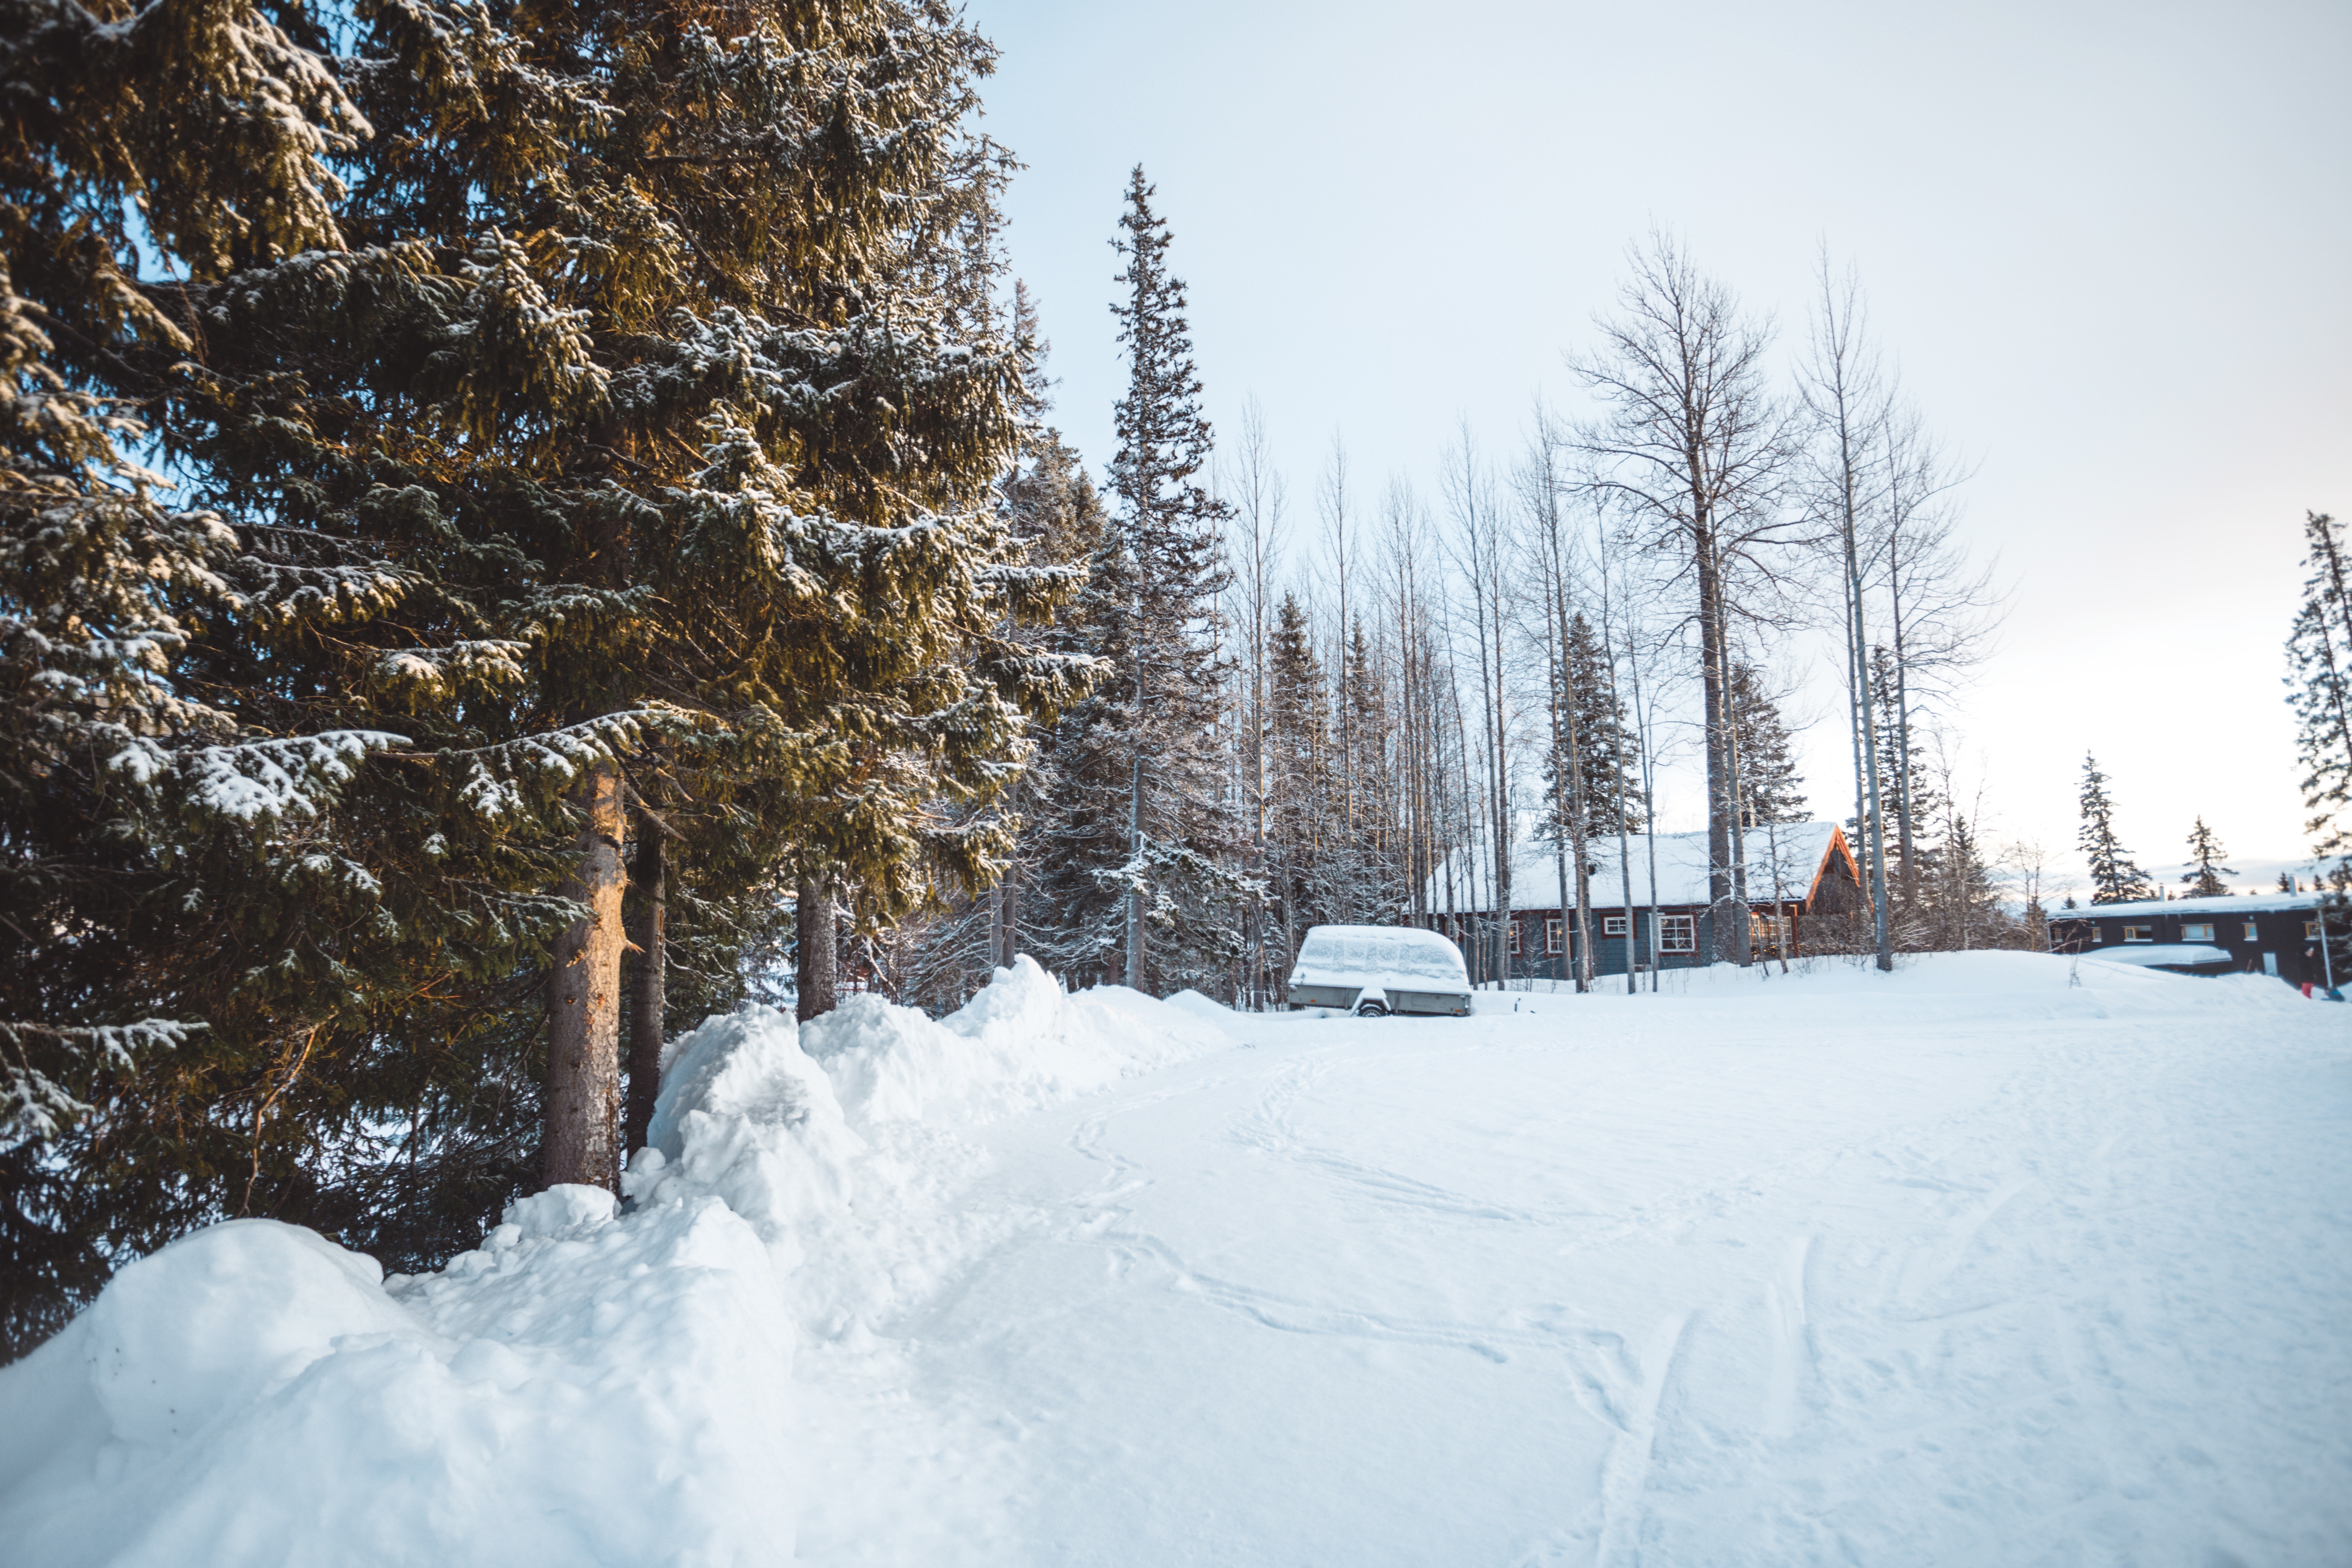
(1371, 1010)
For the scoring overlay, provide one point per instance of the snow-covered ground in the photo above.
(1999, 1259)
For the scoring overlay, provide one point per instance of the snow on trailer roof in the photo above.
(2250, 904)
(1349, 954)
(1782, 861)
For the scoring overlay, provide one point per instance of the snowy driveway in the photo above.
(1967, 1267)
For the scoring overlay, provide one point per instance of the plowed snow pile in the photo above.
(1996, 1259)
(586, 1387)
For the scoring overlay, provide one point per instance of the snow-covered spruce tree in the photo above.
(1056, 519)
(2114, 879)
(2319, 683)
(1770, 787)
(571, 513)
(2319, 655)
(2204, 877)
(142, 821)
(1144, 888)
(1608, 779)
(1372, 886)
(408, 414)
(837, 580)
(1908, 798)
(1771, 793)
(1961, 907)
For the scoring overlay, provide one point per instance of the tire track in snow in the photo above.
(1926, 1269)
(1291, 1315)
(1792, 1360)
(1626, 1473)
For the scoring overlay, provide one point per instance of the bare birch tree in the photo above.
(1331, 501)
(1256, 526)
(1942, 610)
(1845, 393)
(1551, 545)
(1480, 553)
(1691, 447)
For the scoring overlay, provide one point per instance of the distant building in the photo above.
(1801, 885)
(2268, 933)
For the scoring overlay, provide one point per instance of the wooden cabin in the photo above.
(1802, 881)
(2265, 933)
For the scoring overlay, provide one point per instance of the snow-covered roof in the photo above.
(2154, 954)
(2253, 903)
(1782, 861)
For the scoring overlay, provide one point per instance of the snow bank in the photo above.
(589, 1386)
(1019, 1045)
(838, 1142)
(1205, 1007)
(578, 1389)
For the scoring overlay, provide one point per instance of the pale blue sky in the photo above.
(2108, 244)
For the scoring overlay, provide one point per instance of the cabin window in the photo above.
(1553, 930)
(1614, 925)
(2310, 929)
(2140, 933)
(1514, 940)
(2249, 930)
(2196, 933)
(1677, 934)
(1768, 933)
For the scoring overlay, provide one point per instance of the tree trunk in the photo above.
(1560, 810)
(1874, 823)
(1501, 766)
(1578, 939)
(1728, 927)
(645, 1005)
(1906, 843)
(584, 1002)
(1134, 980)
(817, 967)
(1009, 890)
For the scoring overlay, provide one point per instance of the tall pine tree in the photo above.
(616, 462)
(1368, 864)
(1911, 802)
(1057, 517)
(1602, 747)
(2206, 871)
(2114, 879)
(163, 861)
(1961, 905)
(2319, 654)
(1771, 788)
(1146, 889)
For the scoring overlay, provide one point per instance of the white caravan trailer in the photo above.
(1374, 971)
